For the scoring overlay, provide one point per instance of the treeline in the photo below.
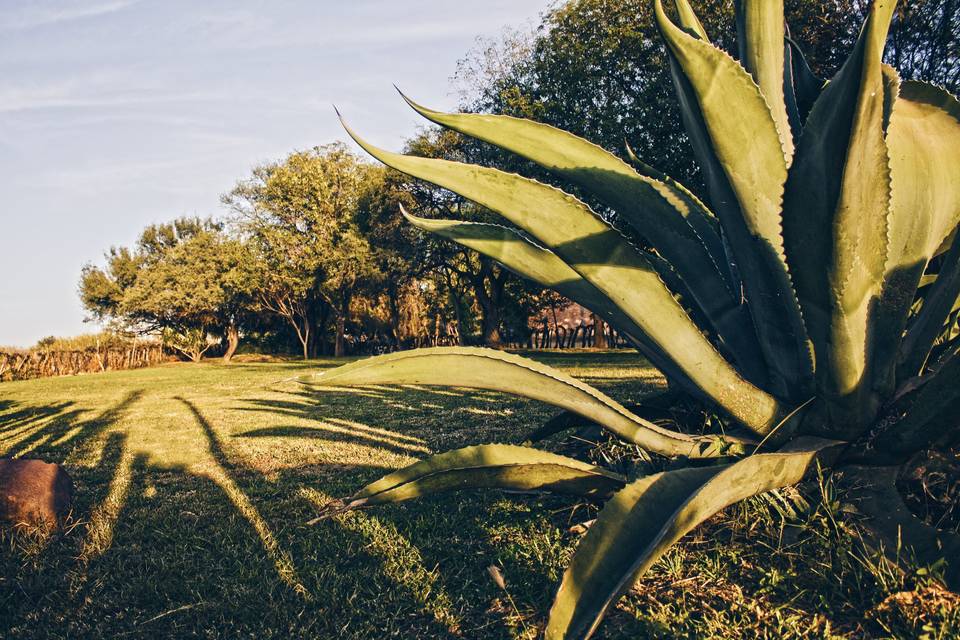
(315, 257)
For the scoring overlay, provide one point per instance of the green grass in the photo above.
(195, 484)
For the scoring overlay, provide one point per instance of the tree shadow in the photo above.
(49, 576)
(16, 421)
(245, 491)
(56, 431)
(167, 548)
(179, 539)
(460, 530)
(410, 421)
(396, 549)
(336, 433)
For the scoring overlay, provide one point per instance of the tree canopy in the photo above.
(185, 279)
(299, 215)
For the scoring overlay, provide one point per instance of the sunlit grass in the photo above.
(195, 484)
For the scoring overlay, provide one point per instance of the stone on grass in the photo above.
(33, 492)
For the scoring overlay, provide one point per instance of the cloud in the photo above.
(369, 26)
(35, 15)
(100, 90)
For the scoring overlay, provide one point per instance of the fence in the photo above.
(572, 337)
(562, 336)
(42, 363)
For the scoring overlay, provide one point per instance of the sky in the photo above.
(115, 114)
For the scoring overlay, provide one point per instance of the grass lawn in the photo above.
(195, 484)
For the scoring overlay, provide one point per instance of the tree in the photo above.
(184, 279)
(469, 279)
(596, 67)
(924, 42)
(348, 268)
(398, 249)
(299, 214)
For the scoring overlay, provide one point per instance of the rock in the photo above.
(34, 492)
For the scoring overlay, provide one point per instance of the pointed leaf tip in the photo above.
(405, 97)
(689, 20)
(426, 112)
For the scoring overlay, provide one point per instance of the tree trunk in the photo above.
(305, 342)
(315, 346)
(489, 302)
(491, 327)
(458, 314)
(317, 314)
(233, 341)
(599, 335)
(393, 304)
(342, 315)
(339, 348)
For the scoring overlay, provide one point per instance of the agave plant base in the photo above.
(892, 529)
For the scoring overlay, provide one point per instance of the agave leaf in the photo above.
(657, 407)
(906, 258)
(895, 530)
(929, 128)
(948, 344)
(671, 222)
(705, 224)
(740, 151)
(924, 143)
(801, 86)
(689, 20)
(518, 254)
(760, 37)
(499, 371)
(645, 518)
(723, 249)
(528, 260)
(946, 244)
(952, 320)
(940, 301)
(835, 222)
(931, 415)
(603, 257)
(654, 203)
(490, 466)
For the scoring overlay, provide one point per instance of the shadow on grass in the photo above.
(347, 433)
(409, 420)
(170, 550)
(235, 576)
(15, 423)
(398, 549)
(50, 432)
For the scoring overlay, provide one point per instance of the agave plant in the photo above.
(812, 305)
